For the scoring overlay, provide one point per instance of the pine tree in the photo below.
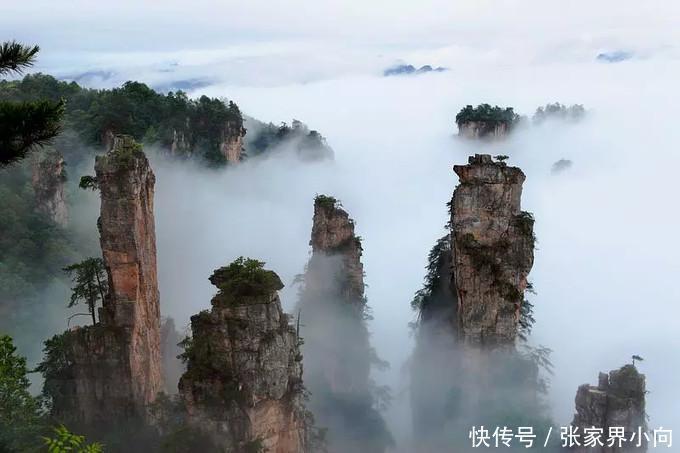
(90, 284)
(26, 125)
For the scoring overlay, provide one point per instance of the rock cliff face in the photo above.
(483, 129)
(465, 365)
(48, 178)
(338, 355)
(493, 249)
(243, 384)
(114, 367)
(617, 401)
(231, 144)
(179, 144)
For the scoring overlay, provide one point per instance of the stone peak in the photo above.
(332, 229)
(482, 169)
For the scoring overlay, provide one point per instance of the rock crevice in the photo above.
(618, 401)
(243, 384)
(493, 249)
(113, 369)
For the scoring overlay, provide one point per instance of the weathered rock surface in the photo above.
(243, 384)
(618, 401)
(48, 179)
(231, 143)
(466, 365)
(114, 367)
(338, 354)
(483, 129)
(493, 249)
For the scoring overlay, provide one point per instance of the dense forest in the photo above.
(33, 248)
(185, 126)
(487, 113)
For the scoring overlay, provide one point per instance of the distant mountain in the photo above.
(182, 85)
(615, 56)
(406, 69)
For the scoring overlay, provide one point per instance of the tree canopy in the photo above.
(90, 284)
(25, 125)
(20, 412)
(488, 114)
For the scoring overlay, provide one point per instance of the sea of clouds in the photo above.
(607, 264)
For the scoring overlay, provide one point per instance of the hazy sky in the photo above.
(607, 266)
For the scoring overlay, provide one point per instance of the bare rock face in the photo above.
(231, 145)
(338, 354)
(243, 384)
(48, 178)
(617, 401)
(483, 129)
(114, 367)
(493, 249)
(466, 365)
(180, 143)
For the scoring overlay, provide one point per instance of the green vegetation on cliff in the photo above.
(245, 278)
(189, 126)
(20, 413)
(487, 114)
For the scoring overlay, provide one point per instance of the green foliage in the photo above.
(33, 249)
(488, 114)
(15, 57)
(245, 278)
(559, 111)
(134, 109)
(254, 446)
(88, 182)
(20, 413)
(177, 435)
(126, 152)
(25, 125)
(90, 283)
(526, 319)
(326, 202)
(524, 221)
(54, 368)
(435, 260)
(64, 441)
(307, 143)
(539, 356)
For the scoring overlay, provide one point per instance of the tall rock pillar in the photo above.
(128, 241)
(338, 354)
(466, 365)
(243, 383)
(111, 371)
(48, 178)
(493, 249)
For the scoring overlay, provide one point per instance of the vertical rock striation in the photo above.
(618, 401)
(48, 178)
(483, 129)
(112, 370)
(243, 383)
(231, 143)
(465, 365)
(493, 249)
(338, 355)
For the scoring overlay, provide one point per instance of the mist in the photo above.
(606, 264)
